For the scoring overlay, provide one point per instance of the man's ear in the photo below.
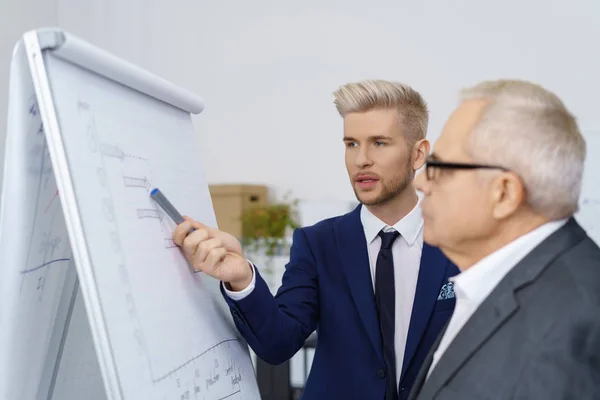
(508, 195)
(420, 151)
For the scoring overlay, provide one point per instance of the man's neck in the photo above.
(395, 209)
(500, 237)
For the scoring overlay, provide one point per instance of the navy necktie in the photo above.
(385, 299)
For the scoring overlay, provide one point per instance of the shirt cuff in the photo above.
(236, 296)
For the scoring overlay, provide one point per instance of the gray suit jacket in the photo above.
(537, 335)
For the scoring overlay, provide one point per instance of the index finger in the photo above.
(195, 224)
(181, 231)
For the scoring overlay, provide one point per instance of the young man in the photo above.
(376, 294)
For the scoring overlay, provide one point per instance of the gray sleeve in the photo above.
(567, 363)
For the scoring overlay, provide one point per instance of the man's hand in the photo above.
(213, 252)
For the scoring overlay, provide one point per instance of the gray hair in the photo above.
(372, 94)
(527, 129)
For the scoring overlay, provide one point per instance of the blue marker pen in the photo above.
(166, 205)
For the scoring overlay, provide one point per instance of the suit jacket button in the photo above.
(380, 373)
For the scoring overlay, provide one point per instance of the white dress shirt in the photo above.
(406, 252)
(473, 285)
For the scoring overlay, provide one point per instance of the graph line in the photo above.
(51, 201)
(191, 360)
(29, 270)
(229, 395)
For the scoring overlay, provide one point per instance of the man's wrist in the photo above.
(241, 284)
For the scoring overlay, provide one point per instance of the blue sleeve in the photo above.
(276, 327)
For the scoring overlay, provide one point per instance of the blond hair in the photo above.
(528, 130)
(373, 94)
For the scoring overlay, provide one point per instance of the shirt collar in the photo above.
(409, 227)
(476, 282)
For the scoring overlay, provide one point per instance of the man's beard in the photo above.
(392, 189)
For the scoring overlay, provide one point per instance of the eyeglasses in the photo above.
(431, 165)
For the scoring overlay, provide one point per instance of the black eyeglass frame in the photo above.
(431, 164)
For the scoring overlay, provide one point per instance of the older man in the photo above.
(500, 190)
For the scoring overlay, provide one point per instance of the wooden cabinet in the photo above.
(229, 200)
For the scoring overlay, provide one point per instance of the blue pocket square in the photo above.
(447, 292)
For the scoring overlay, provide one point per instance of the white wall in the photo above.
(267, 68)
(16, 17)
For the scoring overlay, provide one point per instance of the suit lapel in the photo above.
(420, 379)
(486, 320)
(500, 305)
(431, 278)
(352, 249)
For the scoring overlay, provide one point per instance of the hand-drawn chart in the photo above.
(199, 360)
(37, 277)
(48, 258)
(48, 248)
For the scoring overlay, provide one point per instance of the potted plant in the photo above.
(266, 229)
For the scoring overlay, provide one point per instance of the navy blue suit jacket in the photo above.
(327, 286)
